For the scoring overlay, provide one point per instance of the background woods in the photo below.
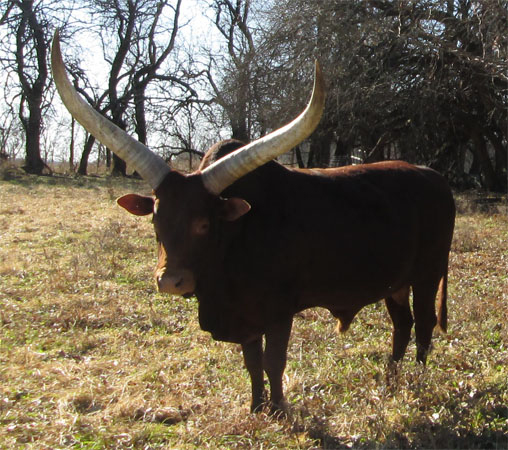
(425, 81)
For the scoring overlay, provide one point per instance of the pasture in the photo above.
(92, 357)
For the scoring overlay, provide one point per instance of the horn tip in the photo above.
(56, 53)
(56, 40)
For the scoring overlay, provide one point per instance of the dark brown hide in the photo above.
(337, 238)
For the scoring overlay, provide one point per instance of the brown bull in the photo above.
(257, 242)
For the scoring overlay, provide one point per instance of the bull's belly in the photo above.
(340, 300)
(350, 292)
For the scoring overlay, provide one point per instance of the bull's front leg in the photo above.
(253, 358)
(275, 356)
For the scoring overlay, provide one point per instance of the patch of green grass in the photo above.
(92, 357)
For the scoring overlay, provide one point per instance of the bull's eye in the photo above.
(200, 226)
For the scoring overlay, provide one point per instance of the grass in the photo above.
(92, 357)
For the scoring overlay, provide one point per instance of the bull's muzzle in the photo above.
(179, 282)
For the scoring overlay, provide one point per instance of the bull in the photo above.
(257, 242)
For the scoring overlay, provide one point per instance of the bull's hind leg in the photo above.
(400, 313)
(424, 298)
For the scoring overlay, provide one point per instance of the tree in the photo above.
(11, 136)
(27, 41)
(144, 37)
(149, 63)
(122, 17)
(236, 93)
(424, 80)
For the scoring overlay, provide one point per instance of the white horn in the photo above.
(224, 172)
(150, 166)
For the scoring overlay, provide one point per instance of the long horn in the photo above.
(150, 166)
(224, 172)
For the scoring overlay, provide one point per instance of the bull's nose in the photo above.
(169, 284)
(180, 283)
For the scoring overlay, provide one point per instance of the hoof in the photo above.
(259, 403)
(258, 407)
(279, 410)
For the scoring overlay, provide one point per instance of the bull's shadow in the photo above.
(424, 432)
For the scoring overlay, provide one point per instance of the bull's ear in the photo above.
(138, 205)
(233, 208)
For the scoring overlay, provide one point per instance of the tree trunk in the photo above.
(71, 147)
(320, 145)
(501, 159)
(119, 167)
(342, 153)
(139, 109)
(33, 161)
(480, 149)
(299, 158)
(310, 157)
(83, 163)
(32, 88)
(140, 114)
(239, 129)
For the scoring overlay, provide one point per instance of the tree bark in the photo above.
(299, 158)
(320, 146)
(71, 146)
(33, 161)
(480, 148)
(119, 167)
(501, 159)
(83, 163)
(139, 111)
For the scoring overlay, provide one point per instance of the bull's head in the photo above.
(187, 209)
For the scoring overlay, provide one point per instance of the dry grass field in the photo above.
(92, 357)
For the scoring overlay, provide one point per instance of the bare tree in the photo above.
(11, 136)
(424, 80)
(26, 56)
(120, 16)
(235, 92)
(151, 55)
(142, 42)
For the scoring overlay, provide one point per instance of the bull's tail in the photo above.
(442, 311)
